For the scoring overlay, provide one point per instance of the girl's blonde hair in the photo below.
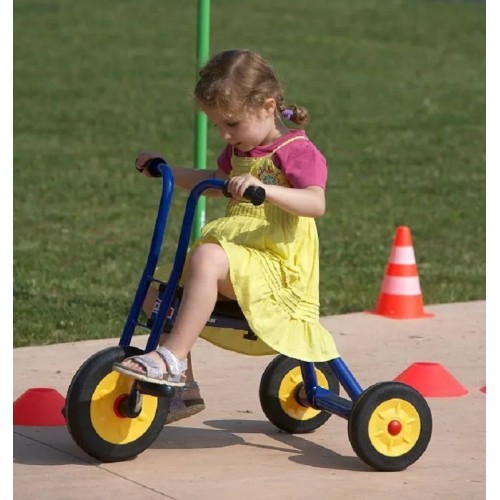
(235, 81)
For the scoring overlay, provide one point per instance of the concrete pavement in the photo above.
(231, 450)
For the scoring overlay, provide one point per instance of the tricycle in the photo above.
(113, 417)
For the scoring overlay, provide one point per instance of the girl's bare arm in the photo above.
(306, 202)
(184, 177)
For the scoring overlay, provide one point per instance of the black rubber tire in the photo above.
(271, 403)
(81, 397)
(417, 430)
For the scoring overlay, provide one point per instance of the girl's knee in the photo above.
(209, 256)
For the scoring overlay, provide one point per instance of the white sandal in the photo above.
(154, 373)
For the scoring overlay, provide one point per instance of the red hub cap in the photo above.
(394, 427)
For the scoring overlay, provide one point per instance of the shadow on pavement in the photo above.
(55, 446)
(47, 446)
(304, 452)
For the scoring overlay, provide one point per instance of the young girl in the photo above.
(265, 257)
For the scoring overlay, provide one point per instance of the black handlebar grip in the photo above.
(256, 194)
(225, 192)
(153, 166)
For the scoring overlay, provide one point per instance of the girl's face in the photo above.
(253, 128)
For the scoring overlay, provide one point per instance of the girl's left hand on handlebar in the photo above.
(239, 184)
(142, 158)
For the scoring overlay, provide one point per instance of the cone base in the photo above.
(424, 315)
(401, 307)
(431, 380)
(40, 406)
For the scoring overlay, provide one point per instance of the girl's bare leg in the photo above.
(148, 305)
(189, 402)
(208, 275)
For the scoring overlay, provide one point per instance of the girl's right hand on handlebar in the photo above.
(142, 159)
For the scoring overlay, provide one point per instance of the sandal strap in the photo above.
(175, 366)
(152, 367)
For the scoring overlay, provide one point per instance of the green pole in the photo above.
(200, 145)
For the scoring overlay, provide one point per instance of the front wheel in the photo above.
(100, 416)
(390, 426)
(278, 392)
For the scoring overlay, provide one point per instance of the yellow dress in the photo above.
(274, 269)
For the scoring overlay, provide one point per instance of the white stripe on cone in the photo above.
(407, 285)
(402, 255)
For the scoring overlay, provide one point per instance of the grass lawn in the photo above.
(396, 93)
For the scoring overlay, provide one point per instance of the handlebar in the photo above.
(157, 167)
(255, 194)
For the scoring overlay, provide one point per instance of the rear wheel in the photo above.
(100, 415)
(390, 426)
(279, 388)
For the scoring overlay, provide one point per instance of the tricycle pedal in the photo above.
(158, 390)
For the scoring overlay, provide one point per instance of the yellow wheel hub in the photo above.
(106, 420)
(394, 427)
(287, 391)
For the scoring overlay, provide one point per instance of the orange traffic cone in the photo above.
(400, 297)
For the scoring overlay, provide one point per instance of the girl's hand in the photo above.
(238, 185)
(143, 158)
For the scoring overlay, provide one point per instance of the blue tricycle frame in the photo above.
(113, 417)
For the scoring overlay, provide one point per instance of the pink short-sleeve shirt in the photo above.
(301, 161)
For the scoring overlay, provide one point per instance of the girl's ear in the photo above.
(270, 106)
